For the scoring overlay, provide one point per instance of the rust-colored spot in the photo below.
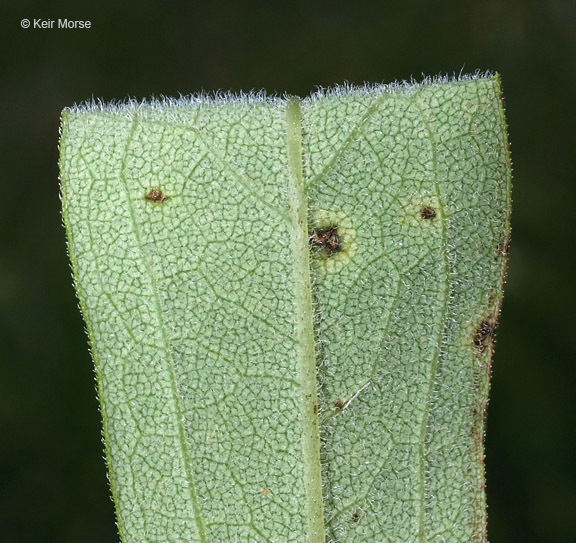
(492, 297)
(484, 335)
(503, 248)
(327, 240)
(428, 213)
(265, 491)
(315, 409)
(339, 404)
(156, 196)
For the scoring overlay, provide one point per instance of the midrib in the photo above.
(305, 349)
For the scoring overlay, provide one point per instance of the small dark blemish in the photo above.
(339, 404)
(503, 248)
(355, 516)
(327, 240)
(428, 213)
(315, 409)
(484, 335)
(491, 298)
(156, 196)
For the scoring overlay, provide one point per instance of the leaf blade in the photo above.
(213, 410)
(196, 324)
(418, 241)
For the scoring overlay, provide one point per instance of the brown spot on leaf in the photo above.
(484, 335)
(355, 516)
(503, 248)
(428, 213)
(339, 404)
(315, 409)
(327, 240)
(156, 196)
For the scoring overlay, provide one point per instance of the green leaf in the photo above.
(291, 306)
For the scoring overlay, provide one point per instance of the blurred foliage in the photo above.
(52, 476)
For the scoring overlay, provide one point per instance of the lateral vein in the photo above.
(184, 447)
(435, 362)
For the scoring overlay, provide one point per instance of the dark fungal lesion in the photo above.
(484, 335)
(332, 240)
(326, 240)
(428, 213)
(156, 196)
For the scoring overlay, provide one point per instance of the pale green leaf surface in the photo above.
(210, 360)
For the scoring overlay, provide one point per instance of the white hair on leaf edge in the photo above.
(259, 97)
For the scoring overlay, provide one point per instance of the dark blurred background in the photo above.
(52, 476)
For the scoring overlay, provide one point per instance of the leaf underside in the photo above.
(291, 307)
